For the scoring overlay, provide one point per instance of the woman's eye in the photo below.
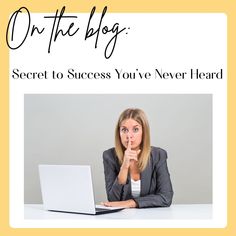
(136, 130)
(124, 130)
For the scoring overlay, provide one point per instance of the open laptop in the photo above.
(68, 188)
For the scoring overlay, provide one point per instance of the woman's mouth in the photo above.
(130, 143)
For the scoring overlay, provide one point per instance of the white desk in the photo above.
(176, 212)
(175, 216)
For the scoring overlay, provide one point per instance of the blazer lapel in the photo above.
(146, 179)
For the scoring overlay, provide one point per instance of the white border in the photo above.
(215, 87)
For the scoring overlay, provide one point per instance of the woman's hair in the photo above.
(139, 116)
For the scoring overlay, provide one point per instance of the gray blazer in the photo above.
(156, 187)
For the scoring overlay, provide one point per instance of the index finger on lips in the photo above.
(129, 144)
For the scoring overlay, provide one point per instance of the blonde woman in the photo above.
(136, 174)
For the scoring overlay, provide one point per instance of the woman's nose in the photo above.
(130, 135)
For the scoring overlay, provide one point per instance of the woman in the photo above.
(136, 174)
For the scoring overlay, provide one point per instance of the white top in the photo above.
(135, 188)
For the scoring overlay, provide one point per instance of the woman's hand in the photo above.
(126, 204)
(129, 156)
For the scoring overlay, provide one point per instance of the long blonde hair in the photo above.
(139, 116)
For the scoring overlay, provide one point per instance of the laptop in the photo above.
(69, 188)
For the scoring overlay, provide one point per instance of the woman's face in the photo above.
(131, 130)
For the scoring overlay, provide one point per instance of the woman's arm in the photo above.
(116, 177)
(114, 189)
(163, 195)
(126, 204)
(116, 186)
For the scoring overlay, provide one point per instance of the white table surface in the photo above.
(178, 211)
